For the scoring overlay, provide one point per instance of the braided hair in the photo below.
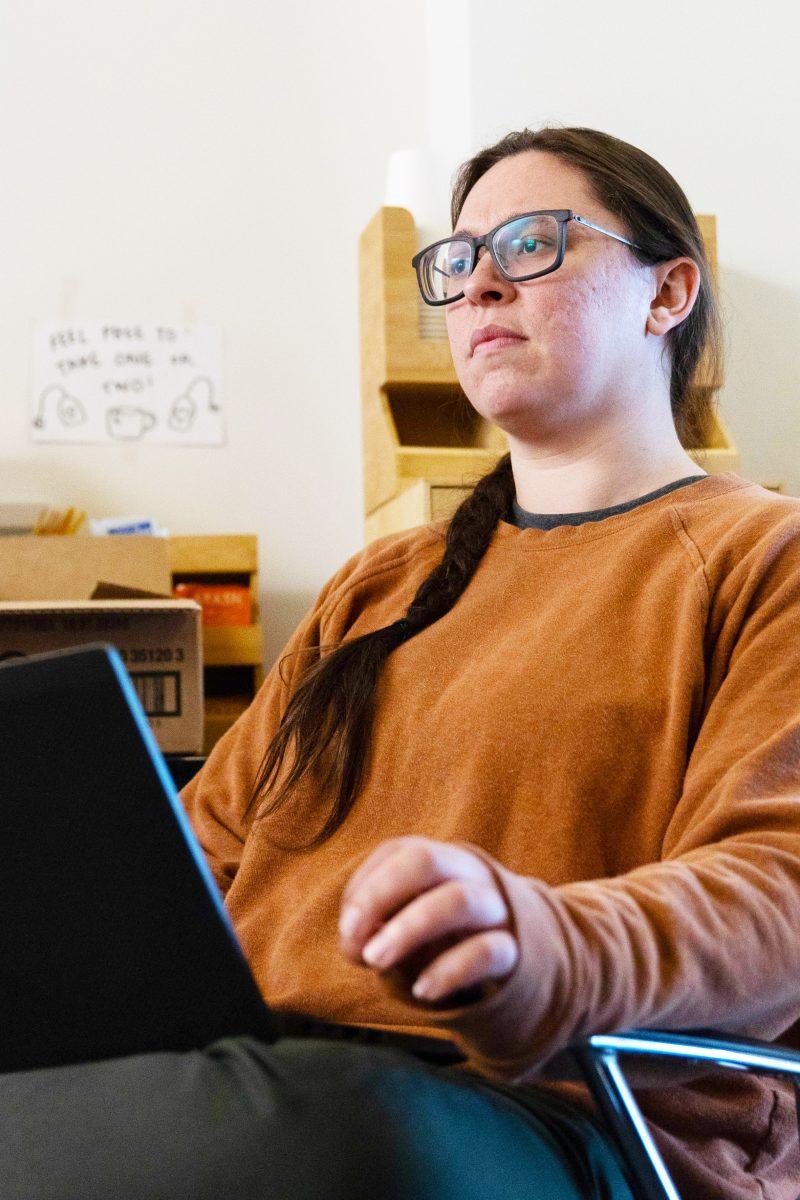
(329, 716)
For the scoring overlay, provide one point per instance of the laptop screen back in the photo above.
(113, 936)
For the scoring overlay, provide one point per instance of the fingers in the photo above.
(397, 872)
(453, 907)
(357, 879)
(429, 913)
(485, 956)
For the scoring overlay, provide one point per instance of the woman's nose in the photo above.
(486, 285)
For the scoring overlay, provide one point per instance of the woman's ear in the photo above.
(677, 283)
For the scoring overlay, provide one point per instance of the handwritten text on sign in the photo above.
(102, 381)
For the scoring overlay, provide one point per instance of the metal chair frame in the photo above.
(598, 1060)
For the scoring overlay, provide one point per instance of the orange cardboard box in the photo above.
(222, 603)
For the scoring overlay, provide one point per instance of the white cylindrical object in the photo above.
(414, 180)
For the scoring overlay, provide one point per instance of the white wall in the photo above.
(167, 160)
(155, 156)
(713, 93)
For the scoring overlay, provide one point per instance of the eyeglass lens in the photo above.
(524, 246)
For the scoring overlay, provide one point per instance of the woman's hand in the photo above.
(428, 907)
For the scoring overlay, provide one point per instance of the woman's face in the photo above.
(583, 326)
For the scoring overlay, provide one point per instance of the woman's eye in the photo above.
(457, 266)
(528, 245)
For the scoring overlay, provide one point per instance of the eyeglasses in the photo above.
(523, 247)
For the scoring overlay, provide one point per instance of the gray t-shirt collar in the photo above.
(529, 520)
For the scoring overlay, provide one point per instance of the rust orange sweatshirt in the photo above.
(610, 715)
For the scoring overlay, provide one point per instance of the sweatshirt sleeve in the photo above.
(707, 937)
(217, 798)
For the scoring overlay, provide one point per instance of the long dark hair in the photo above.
(329, 717)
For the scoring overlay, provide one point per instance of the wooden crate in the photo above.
(233, 655)
(416, 422)
(419, 502)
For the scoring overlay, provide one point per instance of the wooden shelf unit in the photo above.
(419, 502)
(233, 655)
(420, 433)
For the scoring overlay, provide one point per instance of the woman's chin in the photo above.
(509, 410)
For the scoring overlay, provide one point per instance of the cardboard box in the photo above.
(158, 639)
(68, 568)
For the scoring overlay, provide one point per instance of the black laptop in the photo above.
(114, 939)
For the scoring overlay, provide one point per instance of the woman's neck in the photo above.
(560, 484)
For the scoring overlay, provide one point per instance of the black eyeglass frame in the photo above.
(562, 215)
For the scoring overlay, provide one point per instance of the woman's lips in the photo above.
(498, 336)
(497, 343)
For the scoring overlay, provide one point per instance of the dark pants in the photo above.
(299, 1120)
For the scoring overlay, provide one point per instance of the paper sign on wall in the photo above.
(101, 381)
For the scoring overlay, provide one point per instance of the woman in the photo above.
(521, 776)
